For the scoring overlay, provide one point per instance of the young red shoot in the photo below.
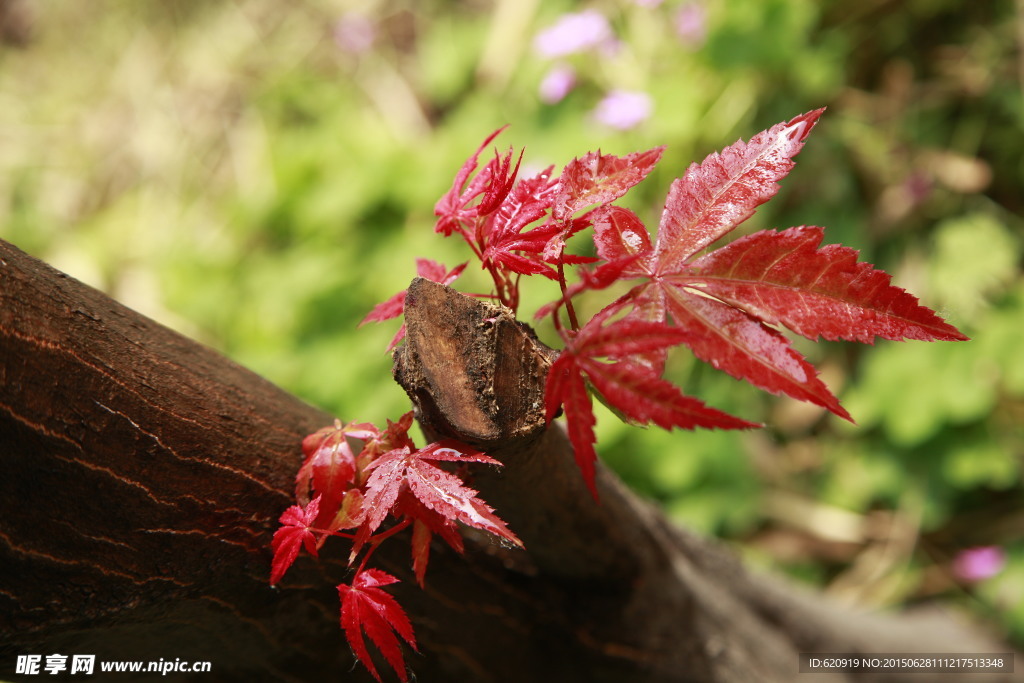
(726, 305)
(296, 531)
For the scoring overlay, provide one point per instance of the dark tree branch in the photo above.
(143, 475)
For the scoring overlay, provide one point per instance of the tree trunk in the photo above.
(143, 475)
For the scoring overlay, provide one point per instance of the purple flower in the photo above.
(557, 83)
(572, 33)
(918, 187)
(610, 47)
(354, 33)
(691, 24)
(624, 109)
(976, 564)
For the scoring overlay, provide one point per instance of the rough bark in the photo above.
(143, 475)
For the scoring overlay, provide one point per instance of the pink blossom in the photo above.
(918, 187)
(557, 83)
(574, 32)
(610, 47)
(691, 24)
(354, 33)
(646, 3)
(976, 564)
(624, 109)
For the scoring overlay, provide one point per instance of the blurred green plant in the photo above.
(258, 174)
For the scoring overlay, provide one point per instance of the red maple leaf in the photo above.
(627, 385)
(723, 305)
(785, 278)
(596, 179)
(593, 181)
(726, 301)
(721, 192)
(367, 608)
(410, 470)
(621, 237)
(296, 531)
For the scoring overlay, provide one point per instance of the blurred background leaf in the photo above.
(258, 174)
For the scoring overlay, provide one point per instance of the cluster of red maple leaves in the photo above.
(355, 491)
(726, 305)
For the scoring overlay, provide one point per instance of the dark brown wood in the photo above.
(143, 474)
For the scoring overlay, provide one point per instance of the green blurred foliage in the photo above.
(248, 174)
